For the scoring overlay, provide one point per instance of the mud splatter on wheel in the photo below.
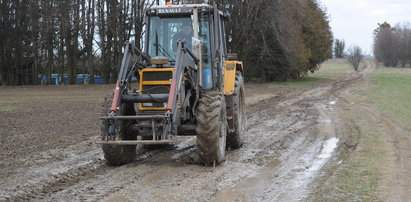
(211, 129)
(117, 155)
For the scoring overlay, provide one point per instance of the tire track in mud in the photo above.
(53, 169)
(57, 170)
(95, 181)
(293, 161)
(290, 178)
(193, 182)
(282, 148)
(274, 133)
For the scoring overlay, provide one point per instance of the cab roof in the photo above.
(178, 9)
(183, 6)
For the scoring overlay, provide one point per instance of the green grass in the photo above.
(328, 70)
(335, 67)
(358, 176)
(392, 94)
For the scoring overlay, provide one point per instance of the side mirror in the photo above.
(232, 56)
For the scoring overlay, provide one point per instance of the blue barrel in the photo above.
(98, 80)
(55, 79)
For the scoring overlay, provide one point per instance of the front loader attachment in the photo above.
(162, 123)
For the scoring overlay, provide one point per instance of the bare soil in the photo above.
(48, 151)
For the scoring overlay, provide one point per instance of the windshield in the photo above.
(164, 34)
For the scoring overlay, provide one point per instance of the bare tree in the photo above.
(392, 45)
(354, 56)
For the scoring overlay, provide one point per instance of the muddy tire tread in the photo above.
(117, 155)
(209, 123)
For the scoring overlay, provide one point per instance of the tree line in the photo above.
(66, 36)
(392, 45)
(278, 40)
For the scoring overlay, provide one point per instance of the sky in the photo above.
(355, 20)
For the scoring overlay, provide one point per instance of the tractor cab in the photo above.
(195, 25)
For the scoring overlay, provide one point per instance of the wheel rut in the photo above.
(287, 143)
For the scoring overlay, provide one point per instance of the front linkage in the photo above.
(185, 70)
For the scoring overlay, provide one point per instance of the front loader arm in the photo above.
(185, 59)
(133, 60)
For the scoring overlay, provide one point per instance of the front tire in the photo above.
(117, 155)
(211, 129)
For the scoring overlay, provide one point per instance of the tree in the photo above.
(282, 40)
(339, 47)
(392, 45)
(87, 33)
(354, 56)
(381, 26)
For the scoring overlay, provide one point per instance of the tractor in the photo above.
(181, 83)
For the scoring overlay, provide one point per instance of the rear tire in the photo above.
(235, 136)
(211, 129)
(117, 155)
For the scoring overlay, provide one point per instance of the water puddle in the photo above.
(246, 189)
(332, 102)
(303, 176)
(325, 121)
(328, 148)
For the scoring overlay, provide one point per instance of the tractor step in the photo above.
(138, 126)
(146, 117)
(137, 142)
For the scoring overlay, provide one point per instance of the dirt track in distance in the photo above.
(293, 133)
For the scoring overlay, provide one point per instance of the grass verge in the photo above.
(357, 176)
(335, 67)
(329, 69)
(391, 94)
(360, 174)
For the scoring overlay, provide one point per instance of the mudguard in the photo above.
(230, 68)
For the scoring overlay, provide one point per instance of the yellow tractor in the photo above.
(182, 83)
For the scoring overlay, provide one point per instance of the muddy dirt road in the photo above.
(48, 152)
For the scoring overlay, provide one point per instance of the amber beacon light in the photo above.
(169, 3)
